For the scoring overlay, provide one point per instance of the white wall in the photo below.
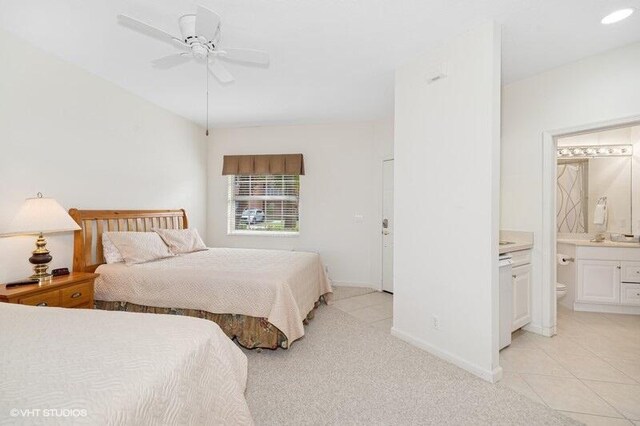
(446, 202)
(88, 144)
(343, 164)
(596, 89)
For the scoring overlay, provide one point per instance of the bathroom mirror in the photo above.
(585, 179)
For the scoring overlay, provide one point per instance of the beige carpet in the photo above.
(347, 372)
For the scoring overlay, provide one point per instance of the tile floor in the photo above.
(589, 371)
(370, 306)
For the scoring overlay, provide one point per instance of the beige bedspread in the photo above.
(97, 367)
(279, 285)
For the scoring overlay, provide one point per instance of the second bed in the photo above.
(260, 297)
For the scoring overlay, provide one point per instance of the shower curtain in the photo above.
(571, 216)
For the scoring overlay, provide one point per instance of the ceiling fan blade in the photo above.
(171, 61)
(250, 56)
(220, 72)
(147, 29)
(207, 23)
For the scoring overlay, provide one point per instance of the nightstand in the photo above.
(67, 291)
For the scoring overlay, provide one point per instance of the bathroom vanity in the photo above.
(601, 277)
(518, 245)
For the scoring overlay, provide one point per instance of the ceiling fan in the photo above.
(200, 42)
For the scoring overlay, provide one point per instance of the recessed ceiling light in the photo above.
(617, 16)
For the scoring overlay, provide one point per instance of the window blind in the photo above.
(263, 203)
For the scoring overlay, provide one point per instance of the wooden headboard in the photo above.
(87, 242)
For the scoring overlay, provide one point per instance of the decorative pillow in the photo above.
(110, 252)
(139, 247)
(181, 241)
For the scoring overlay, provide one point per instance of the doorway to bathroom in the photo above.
(595, 214)
(586, 363)
(590, 193)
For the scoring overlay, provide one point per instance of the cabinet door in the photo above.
(598, 281)
(521, 296)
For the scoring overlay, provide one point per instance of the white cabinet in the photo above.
(521, 308)
(598, 281)
(630, 272)
(607, 279)
(630, 294)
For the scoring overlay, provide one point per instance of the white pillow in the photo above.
(139, 247)
(109, 251)
(181, 241)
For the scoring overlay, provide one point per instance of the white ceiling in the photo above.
(331, 60)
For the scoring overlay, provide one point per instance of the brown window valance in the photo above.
(278, 164)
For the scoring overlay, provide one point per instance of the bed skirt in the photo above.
(250, 332)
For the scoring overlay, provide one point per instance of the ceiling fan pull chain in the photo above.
(206, 70)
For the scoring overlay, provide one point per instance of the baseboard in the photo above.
(491, 376)
(355, 284)
(609, 309)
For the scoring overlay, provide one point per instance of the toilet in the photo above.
(561, 291)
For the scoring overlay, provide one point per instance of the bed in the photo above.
(98, 367)
(261, 298)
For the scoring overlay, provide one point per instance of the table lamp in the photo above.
(39, 216)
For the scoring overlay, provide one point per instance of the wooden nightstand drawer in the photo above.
(49, 298)
(68, 291)
(76, 295)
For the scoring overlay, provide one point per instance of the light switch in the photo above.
(358, 218)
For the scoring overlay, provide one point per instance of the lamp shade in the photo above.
(41, 214)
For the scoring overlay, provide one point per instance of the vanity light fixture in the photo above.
(595, 151)
(617, 16)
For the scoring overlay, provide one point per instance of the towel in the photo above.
(600, 213)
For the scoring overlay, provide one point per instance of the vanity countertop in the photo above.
(589, 243)
(517, 240)
(515, 246)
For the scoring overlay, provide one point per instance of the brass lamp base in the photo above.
(40, 258)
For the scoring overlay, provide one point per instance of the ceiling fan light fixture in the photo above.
(617, 16)
(199, 51)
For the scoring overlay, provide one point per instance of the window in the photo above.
(264, 204)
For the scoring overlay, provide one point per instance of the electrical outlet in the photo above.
(435, 322)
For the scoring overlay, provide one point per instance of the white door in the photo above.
(598, 281)
(387, 226)
(521, 308)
